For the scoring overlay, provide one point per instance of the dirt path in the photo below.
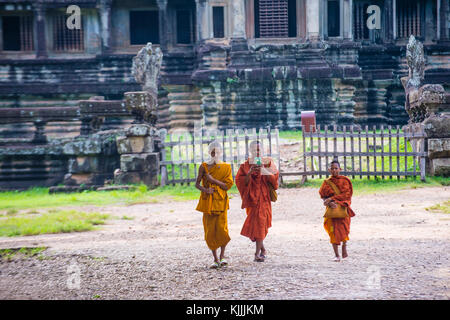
(397, 249)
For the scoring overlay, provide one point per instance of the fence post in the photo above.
(163, 158)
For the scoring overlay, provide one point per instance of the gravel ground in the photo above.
(397, 250)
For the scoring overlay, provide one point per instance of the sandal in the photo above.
(223, 262)
(215, 265)
(337, 259)
(258, 258)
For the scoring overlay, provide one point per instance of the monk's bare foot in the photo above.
(344, 251)
(336, 259)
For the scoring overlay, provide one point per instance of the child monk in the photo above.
(252, 180)
(216, 178)
(337, 228)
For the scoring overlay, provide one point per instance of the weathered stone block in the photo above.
(134, 145)
(437, 126)
(140, 162)
(439, 148)
(148, 178)
(87, 146)
(139, 130)
(83, 164)
(440, 167)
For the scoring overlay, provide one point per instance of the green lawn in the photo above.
(26, 224)
(12, 202)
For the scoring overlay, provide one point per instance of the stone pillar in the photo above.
(105, 22)
(203, 19)
(313, 20)
(238, 13)
(163, 26)
(139, 163)
(443, 14)
(388, 12)
(39, 26)
(347, 18)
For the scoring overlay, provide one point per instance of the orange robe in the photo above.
(214, 206)
(256, 200)
(338, 228)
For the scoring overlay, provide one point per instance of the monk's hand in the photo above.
(254, 168)
(209, 177)
(326, 201)
(332, 205)
(209, 190)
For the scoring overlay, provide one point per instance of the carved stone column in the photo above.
(313, 21)
(203, 23)
(163, 26)
(238, 13)
(39, 18)
(105, 23)
(390, 20)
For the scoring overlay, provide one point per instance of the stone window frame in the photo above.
(373, 36)
(301, 32)
(425, 36)
(324, 20)
(192, 24)
(226, 18)
(19, 13)
(50, 29)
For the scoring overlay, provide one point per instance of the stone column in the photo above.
(389, 12)
(203, 20)
(39, 18)
(443, 14)
(163, 27)
(347, 17)
(105, 23)
(238, 13)
(313, 20)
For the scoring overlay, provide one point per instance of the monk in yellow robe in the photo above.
(338, 229)
(253, 180)
(215, 178)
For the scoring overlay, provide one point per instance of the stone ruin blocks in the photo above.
(92, 159)
(143, 105)
(138, 161)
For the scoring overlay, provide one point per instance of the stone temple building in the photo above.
(227, 63)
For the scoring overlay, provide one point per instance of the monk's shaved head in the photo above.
(336, 162)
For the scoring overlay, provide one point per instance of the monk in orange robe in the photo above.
(216, 179)
(338, 229)
(252, 180)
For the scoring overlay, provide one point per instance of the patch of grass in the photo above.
(126, 218)
(440, 207)
(51, 222)
(25, 252)
(291, 134)
(365, 186)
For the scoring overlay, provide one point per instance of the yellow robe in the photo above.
(214, 206)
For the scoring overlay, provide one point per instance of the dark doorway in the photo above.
(184, 27)
(11, 33)
(144, 27)
(334, 23)
(218, 22)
